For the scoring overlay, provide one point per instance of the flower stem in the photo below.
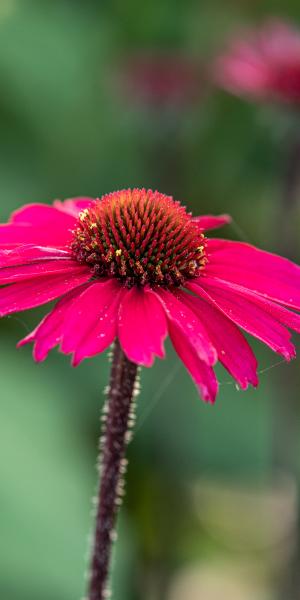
(118, 417)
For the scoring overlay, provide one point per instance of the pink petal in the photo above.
(74, 206)
(29, 253)
(241, 77)
(50, 267)
(31, 293)
(142, 326)
(207, 222)
(12, 235)
(40, 214)
(233, 350)
(267, 274)
(203, 375)
(91, 322)
(189, 324)
(251, 317)
(280, 313)
(48, 333)
(38, 224)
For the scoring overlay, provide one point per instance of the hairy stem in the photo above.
(118, 418)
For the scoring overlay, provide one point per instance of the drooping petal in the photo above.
(280, 313)
(233, 350)
(189, 324)
(36, 270)
(91, 322)
(251, 317)
(32, 293)
(29, 253)
(207, 222)
(48, 333)
(74, 206)
(267, 274)
(142, 326)
(203, 375)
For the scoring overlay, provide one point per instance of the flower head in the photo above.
(135, 265)
(139, 237)
(162, 80)
(263, 64)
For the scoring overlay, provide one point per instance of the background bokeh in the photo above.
(97, 96)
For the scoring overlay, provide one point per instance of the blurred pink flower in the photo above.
(263, 64)
(135, 265)
(162, 79)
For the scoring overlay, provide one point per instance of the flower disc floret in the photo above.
(140, 237)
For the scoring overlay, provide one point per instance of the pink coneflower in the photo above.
(162, 80)
(263, 64)
(133, 267)
(136, 266)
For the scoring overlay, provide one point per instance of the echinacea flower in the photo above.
(162, 80)
(136, 266)
(263, 64)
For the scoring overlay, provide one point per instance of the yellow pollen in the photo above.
(139, 267)
(159, 272)
(83, 214)
(139, 237)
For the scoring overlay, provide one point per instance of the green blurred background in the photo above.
(211, 509)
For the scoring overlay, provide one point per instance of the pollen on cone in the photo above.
(140, 237)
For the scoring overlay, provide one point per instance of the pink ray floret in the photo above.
(136, 266)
